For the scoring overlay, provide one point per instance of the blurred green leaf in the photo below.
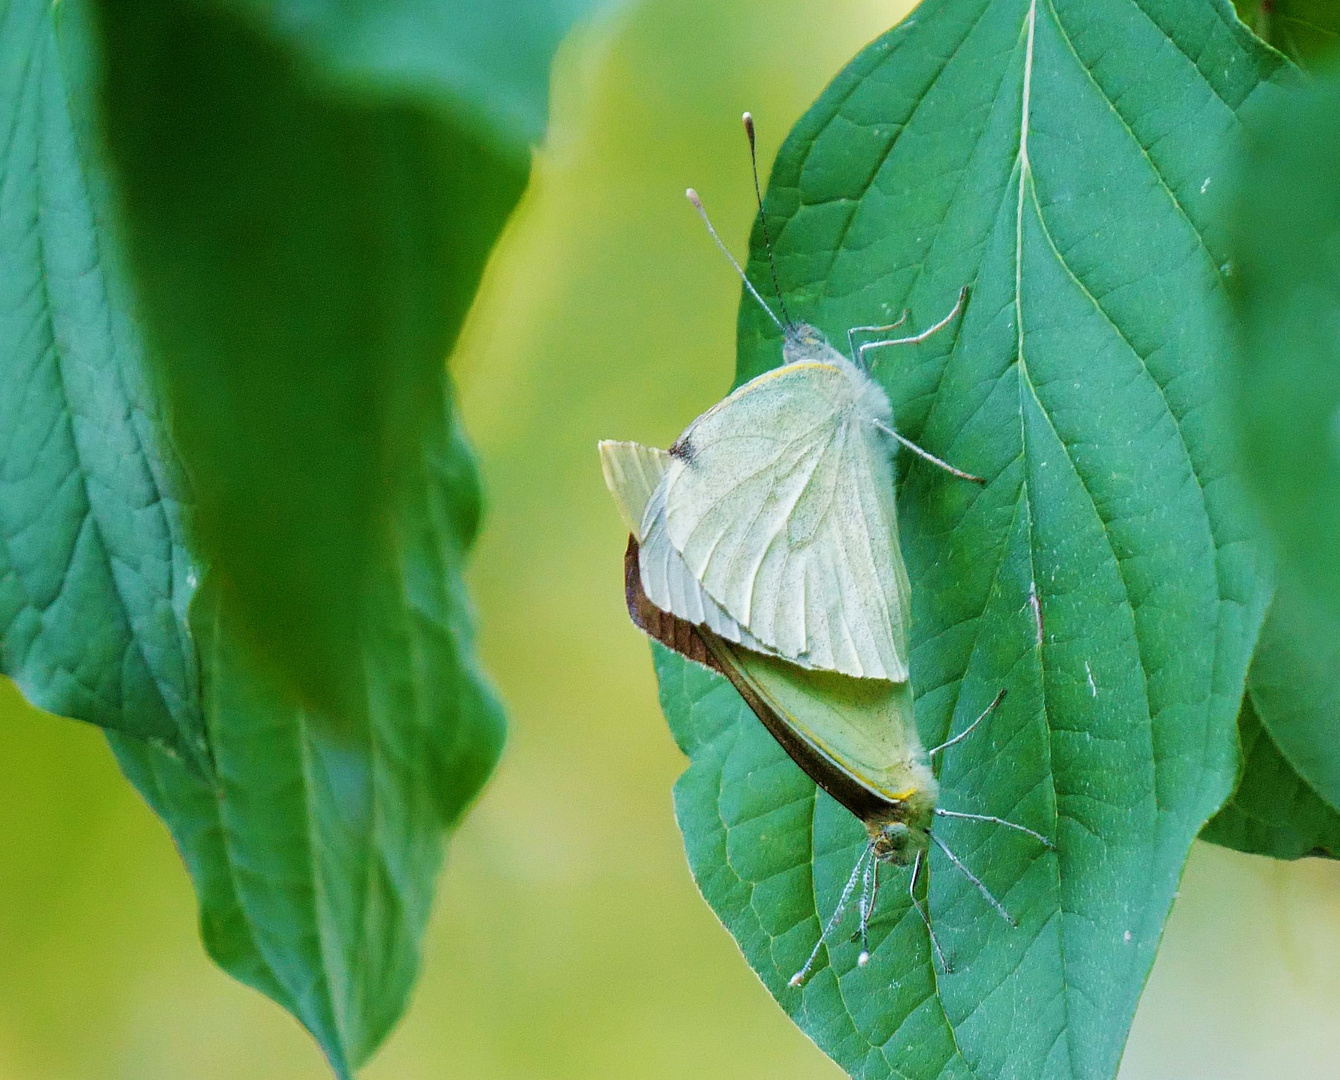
(1287, 297)
(1285, 804)
(1306, 31)
(1274, 811)
(315, 851)
(1295, 685)
(314, 841)
(488, 64)
(311, 195)
(1286, 397)
(94, 575)
(1067, 163)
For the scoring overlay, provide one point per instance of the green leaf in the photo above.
(487, 63)
(1066, 163)
(315, 852)
(310, 202)
(1286, 390)
(1306, 31)
(1286, 393)
(1295, 686)
(1273, 811)
(1285, 802)
(314, 841)
(94, 575)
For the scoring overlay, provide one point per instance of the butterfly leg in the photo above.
(912, 892)
(916, 339)
(927, 455)
(1000, 908)
(968, 730)
(851, 334)
(996, 821)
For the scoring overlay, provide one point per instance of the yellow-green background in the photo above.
(568, 940)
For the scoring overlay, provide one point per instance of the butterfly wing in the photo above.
(855, 738)
(780, 501)
(632, 472)
(635, 477)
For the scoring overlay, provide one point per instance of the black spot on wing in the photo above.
(684, 449)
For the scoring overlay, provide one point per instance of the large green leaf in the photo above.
(309, 207)
(315, 851)
(94, 575)
(1066, 161)
(314, 841)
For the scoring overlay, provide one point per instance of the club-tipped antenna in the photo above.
(762, 217)
(692, 196)
(869, 891)
(804, 973)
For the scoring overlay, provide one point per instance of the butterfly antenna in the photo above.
(804, 973)
(869, 890)
(968, 730)
(762, 217)
(698, 205)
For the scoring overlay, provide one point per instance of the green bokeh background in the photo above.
(568, 940)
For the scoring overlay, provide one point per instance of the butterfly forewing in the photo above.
(780, 500)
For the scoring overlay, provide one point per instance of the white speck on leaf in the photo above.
(1088, 671)
(1205, 186)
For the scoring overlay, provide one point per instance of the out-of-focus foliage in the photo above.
(1063, 162)
(308, 207)
(1286, 240)
(1306, 31)
(234, 535)
(1286, 243)
(1273, 811)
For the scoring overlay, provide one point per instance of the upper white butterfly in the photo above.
(771, 519)
(779, 502)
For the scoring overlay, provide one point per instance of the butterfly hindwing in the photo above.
(635, 476)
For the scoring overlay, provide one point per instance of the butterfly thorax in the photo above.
(902, 832)
(806, 344)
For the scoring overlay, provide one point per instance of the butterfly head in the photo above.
(903, 832)
(805, 342)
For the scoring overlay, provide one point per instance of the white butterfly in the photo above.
(773, 522)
